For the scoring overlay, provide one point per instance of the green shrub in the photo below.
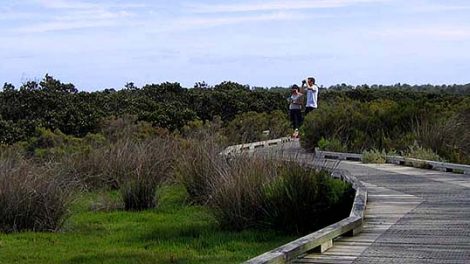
(328, 121)
(249, 127)
(447, 136)
(359, 125)
(374, 156)
(129, 127)
(331, 145)
(205, 130)
(54, 145)
(301, 200)
(418, 152)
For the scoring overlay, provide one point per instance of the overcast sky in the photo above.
(104, 44)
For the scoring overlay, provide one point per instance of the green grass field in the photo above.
(173, 233)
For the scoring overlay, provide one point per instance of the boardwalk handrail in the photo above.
(323, 238)
(399, 160)
(252, 146)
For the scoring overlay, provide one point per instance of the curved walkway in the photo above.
(412, 216)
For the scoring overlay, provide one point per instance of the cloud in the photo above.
(275, 5)
(71, 15)
(64, 25)
(13, 15)
(80, 5)
(436, 32)
(435, 7)
(197, 22)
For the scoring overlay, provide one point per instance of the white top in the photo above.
(312, 96)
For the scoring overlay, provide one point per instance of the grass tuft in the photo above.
(31, 197)
(374, 156)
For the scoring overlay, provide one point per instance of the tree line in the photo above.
(54, 105)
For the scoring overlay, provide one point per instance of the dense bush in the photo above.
(360, 126)
(249, 127)
(446, 137)
(361, 117)
(54, 105)
(301, 200)
(333, 144)
(390, 122)
(50, 145)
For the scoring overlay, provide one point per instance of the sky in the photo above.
(105, 44)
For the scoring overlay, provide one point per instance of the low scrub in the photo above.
(249, 127)
(333, 144)
(374, 156)
(418, 152)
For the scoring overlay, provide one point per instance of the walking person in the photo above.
(295, 109)
(311, 90)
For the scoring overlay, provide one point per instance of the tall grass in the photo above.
(31, 197)
(139, 168)
(135, 167)
(88, 168)
(198, 165)
(422, 153)
(446, 137)
(238, 198)
(303, 199)
(250, 191)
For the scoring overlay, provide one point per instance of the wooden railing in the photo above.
(255, 145)
(428, 164)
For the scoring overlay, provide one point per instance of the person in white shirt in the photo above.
(311, 91)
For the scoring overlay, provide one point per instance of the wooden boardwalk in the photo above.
(412, 216)
(384, 208)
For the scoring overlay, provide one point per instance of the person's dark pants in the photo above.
(308, 109)
(295, 118)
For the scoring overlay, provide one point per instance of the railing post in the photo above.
(324, 247)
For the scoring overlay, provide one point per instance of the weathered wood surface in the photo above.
(435, 165)
(384, 208)
(412, 216)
